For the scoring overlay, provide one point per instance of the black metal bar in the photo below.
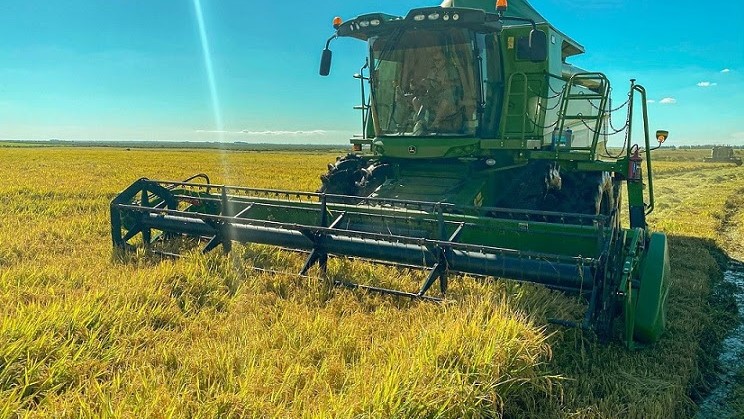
(166, 254)
(447, 207)
(189, 223)
(136, 229)
(213, 242)
(440, 221)
(317, 255)
(146, 232)
(436, 272)
(355, 211)
(443, 282)
(310, 261)
(353, 285)
(224, 207)
(323, 211)
(591, 309)
(549, 269)
(445, 253)
(198, 176)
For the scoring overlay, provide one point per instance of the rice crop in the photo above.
(86, 331)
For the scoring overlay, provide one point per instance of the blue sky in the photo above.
(135, 69)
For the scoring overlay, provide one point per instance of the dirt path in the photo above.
(719, 404)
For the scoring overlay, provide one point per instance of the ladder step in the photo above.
(587, 97)
(584, 117)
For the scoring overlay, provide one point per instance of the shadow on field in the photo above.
(690, 256)
(669, 378)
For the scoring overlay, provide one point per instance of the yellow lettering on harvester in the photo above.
(510, 42)
(478, 201)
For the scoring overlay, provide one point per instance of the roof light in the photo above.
(445, 17)
(501, 5)
(374, 22)
(364, 23)
(419, 18)
(337, 21)
(434, 16)
(455, 16)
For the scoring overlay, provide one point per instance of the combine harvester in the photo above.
(483, 152)
(723, 154)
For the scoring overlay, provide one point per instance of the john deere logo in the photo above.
(411, 150)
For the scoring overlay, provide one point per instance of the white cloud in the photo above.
(668, 101)
(725, 70)
(707, 84)
(267, 132)
(301, 132)
(650, 101)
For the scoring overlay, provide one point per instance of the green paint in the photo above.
(464, 118)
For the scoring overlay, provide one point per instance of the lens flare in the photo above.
(210, 69)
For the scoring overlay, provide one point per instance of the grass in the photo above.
(88, 332)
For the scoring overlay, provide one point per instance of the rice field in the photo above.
(89, 332)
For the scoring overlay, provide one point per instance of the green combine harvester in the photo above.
(483, 152)
(723, 154)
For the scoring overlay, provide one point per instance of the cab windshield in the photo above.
(424, 83)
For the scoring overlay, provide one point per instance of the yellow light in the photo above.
(501, 5)
(337, 21)
(662, 135)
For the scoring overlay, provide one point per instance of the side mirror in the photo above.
(325, 62)
(533, 47)
(661, 136)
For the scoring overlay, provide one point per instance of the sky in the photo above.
(136, 69)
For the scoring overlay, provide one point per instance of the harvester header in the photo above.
(482, 152)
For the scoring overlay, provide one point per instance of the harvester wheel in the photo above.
(342, 176)
(354, 176)
(609, 308)
(650, 301)
(609, 205)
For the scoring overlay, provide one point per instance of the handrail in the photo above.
(637, 88)
(602, 90)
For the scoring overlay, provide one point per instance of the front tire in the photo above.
(354, 176)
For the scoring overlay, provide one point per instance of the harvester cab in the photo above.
(482, 152)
